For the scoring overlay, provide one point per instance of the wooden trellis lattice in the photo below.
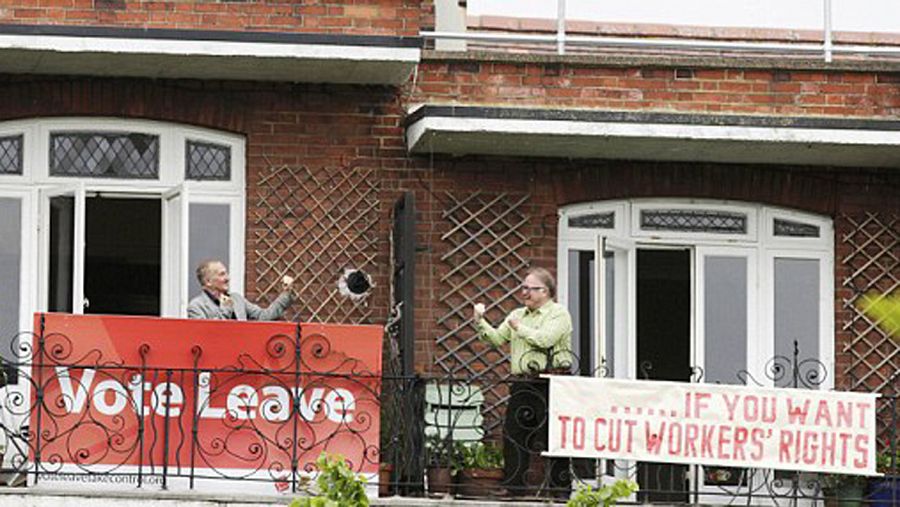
(313, 224)
(872, 261)
(484, 263)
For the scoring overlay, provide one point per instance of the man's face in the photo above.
(217, 279)
(534, 293)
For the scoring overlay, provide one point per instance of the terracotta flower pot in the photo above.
(479, 481)
(440, 480)
(384, 479)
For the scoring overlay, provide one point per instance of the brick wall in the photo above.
(553, 183)
(701, 90)
(359, 17)
(332, 126)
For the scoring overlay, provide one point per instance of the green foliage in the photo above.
(607, 495)
(884, 461)
(836, 482)
(477, 455)
(337, 485)
(440, 451)
(884, 309)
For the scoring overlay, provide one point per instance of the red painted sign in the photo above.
(203, 399)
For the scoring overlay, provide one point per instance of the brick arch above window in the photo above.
(200, 105)
(811, 190)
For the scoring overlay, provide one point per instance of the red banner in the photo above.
(195, 399)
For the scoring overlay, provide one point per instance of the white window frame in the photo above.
(826, 305)
(760, 238)
(36, 179)
(583, 238)
(759, 243)
(76, 189)
(824, 241)
(694, 205)
(753, 354)
(28, 263)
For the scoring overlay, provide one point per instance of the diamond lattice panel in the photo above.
(872, 245)
(484, 262)
(11, 155)
(207, 161)
(313, 224)
(694, 221)
(104, 155)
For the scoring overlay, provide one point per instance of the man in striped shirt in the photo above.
(540, 338)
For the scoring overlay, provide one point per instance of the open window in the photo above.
(613, 279)
(197, 226)
(687, 290)
(62, 262)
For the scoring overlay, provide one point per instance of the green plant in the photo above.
(885, 464)
(607, 495)
(439, 451)
(837, 482)
(477, 455)
(337, 485)
(883, 309)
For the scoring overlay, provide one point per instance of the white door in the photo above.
(62, 210)
(725, 320)
(197, 226)
(614, 315)
(175, 267)
(17, 266)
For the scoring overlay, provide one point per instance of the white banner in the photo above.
(711, 424)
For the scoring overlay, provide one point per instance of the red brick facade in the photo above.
(336, 125)
(359, 17)
(686, 89)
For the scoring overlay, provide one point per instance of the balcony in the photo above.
(110, 421)
(824, 30)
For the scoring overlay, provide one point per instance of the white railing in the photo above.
(456, 32)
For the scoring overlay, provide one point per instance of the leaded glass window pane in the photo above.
(594, 221)
(795, 229)
(685, 220)
(11, 155)
(206, 161)
(106, 155)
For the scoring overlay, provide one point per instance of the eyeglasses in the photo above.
(526, 288)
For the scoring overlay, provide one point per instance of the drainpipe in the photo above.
(561, 26)
(828, 45)
(450, 16)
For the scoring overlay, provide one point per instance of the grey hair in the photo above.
(546, 278)
(203, 269)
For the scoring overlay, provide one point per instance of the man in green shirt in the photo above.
(540, 338)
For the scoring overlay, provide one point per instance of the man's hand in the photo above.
(225, 301)
(514, 323)
(286, 283)
(478, 312)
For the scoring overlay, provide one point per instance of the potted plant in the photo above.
(606, 495)
(885, 491)
(841, 490)
(439, 460)
(336, 485)
(480, 468)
